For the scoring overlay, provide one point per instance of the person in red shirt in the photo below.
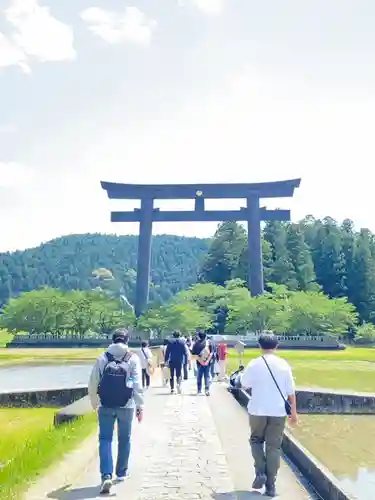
(222, 354)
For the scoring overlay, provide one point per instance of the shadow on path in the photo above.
(66, 493)
(239, 495)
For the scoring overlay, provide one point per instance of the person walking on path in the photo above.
(213, 358)
(271, 382)
(186, 362)
(222, 354)
(175, 356)
(162, 364)
(115, 391)
(203, 352)
(145, 355)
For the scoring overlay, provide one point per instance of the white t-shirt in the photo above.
(265, 398)
(145, 356)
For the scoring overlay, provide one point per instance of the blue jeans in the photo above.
(203, 372)
(107, 419)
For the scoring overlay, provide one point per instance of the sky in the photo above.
(182, 91)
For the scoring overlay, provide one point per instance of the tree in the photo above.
(365, 334)
(223, 256)
(301, 259)
(257, 314)
(281, 269)
(312, 313)
(185, 316)
(329, 259)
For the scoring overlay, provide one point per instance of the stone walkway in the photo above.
(187, 448)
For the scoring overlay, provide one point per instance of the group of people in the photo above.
(116, 392)
(180, 354)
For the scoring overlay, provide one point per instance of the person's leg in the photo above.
(273, 438)
(143, 377)
(200, 374)
(172, 370)
(207, 378)
(221, 370)
(258, 426)
(148, 379)
(124, 425)
(179, 376)
(166, 375)
(107, 419)
(212, 370)
(186, 374)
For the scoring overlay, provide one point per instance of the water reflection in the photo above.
(43, 377)
(362, 486)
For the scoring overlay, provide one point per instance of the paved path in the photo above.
(187, 448)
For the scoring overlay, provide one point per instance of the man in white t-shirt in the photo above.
(271, 395)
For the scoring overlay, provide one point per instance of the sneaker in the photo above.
(106, 485)
(207, 393)
(199, 393)
(120, 479)
(259, 481)
(179, 389)
(270, 491)
(172, 391)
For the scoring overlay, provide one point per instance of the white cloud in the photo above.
(14, 174)
(210, 6)
(11, 55)
(37, 35)
(131, 26)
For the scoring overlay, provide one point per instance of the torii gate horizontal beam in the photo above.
(198, 215)
(277, 189)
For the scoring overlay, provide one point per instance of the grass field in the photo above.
(5, 337)
(352, 369)
(29, 444)
(351, 441)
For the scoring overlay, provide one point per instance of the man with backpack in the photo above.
(176, 354)
(115, 389)
(203, 352)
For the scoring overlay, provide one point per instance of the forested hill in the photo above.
(68, 263)
(304, 256)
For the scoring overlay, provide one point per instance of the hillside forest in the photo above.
(307, 256)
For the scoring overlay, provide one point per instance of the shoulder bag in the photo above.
(288, 408)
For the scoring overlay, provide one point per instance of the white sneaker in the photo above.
(106, 486)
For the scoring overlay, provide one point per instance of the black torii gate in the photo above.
(253, 214)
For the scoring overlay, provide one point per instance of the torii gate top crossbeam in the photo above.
(278, 189)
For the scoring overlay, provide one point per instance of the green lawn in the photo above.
(30, 444)
(5, 337)
(46, 356)
(352, 369)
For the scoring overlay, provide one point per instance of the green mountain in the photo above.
(68, 263)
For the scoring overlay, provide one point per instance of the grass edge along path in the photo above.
(41, 452)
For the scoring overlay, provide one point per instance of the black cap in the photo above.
(120, 336)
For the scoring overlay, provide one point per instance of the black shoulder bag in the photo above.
(288, 408)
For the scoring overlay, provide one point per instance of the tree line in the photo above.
(225, 309)
(67, 263)
(306, 256)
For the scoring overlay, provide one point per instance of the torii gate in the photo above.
(253, 214)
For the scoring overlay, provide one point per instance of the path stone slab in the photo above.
(187, 447)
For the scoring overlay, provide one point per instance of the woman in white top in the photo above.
(145, 356)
